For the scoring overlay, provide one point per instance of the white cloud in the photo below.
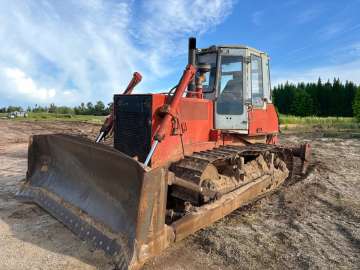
(168, 24)
(332, 30)
(256, 17)
(82, 45)
(25, 86)
(88, 49)
(348, 71)
(179, 17)
(337, 30)
(308, 15)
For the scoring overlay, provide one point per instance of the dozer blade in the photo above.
(91, 188)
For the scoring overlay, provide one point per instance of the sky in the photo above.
(68, 52)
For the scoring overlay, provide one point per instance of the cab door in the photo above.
(230, 109)
(256, 82)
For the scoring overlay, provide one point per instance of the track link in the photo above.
(218, 164)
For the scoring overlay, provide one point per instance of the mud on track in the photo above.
(310, 223)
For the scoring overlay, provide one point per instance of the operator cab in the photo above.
(238, 79)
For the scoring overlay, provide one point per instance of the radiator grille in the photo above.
(132, 131)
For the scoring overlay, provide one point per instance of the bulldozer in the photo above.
(180, 160)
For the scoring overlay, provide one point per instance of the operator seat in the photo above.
(230, 100)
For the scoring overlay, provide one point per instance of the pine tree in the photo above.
(329, 99)
(350, 92)
(335, 100)
(302, 103)
(356, 105)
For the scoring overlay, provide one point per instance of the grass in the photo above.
(315, 120)
(286, 121)
(338, 123)
(61, 117)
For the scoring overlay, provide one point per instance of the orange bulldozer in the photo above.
(179, 161)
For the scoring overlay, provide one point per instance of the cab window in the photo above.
(257, 89)
(230, 100)
(210, 59)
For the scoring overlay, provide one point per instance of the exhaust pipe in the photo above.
(192, 60)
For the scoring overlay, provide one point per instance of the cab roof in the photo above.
(214, 48)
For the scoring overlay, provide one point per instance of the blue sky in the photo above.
(69, 52)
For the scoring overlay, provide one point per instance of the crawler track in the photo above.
(221, 163)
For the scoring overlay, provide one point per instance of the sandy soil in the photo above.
(312, 222)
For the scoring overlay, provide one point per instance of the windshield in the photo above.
(230, 99)
(210, 59)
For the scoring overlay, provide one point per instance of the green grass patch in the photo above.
(62, 117)
(346, 123)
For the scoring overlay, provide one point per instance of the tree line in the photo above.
(99, 108)
(321, 99)
(303, 99)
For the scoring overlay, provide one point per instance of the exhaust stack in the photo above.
(192, 60)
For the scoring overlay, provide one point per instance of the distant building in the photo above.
(17, 114)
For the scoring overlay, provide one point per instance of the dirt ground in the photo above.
(312, 222)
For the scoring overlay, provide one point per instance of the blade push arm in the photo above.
(134, 81)
(170, 109)
(107, 126)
